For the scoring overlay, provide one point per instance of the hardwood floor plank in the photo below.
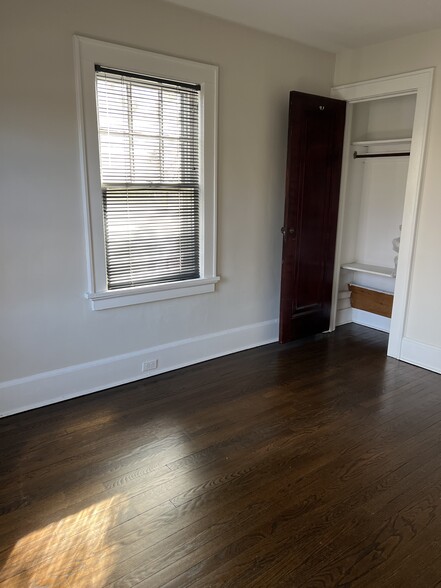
(310, 464)
(325, 507)
(282, 498)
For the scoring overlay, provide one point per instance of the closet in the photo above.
(386, 127)
(378, 162)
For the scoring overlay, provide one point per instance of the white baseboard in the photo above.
(421, 354)
(61, 384)
(344, 317)
(368, 319)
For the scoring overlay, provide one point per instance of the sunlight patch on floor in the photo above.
(69, 552)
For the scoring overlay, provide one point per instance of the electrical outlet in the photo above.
(147, 366)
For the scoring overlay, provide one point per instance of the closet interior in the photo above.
(380, 145)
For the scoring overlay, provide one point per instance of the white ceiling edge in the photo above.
(328, 25)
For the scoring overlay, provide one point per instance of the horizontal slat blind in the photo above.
(149, 157)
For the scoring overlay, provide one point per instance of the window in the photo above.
(148, 130)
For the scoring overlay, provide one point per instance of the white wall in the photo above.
(422, 342)
(46, 324)
(376, 187)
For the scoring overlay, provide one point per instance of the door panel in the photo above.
(315, 144)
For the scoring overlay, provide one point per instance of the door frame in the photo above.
(418, 83)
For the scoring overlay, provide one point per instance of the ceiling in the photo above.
(333, 25)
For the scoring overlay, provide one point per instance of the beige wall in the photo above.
(404, 55)
(45, 321)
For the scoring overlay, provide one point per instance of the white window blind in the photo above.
(149, 159)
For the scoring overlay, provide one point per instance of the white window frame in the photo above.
(88, 53)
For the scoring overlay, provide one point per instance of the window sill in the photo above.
(142, 294)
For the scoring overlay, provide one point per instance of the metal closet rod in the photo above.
(388, 154)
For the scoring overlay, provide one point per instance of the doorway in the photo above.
(383, 154)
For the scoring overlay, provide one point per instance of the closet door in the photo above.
(315, 145)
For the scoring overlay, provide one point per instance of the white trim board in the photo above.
(421, 354)
(361, 317)
(62, 384)
(419, 83)
(344, 317)
(369, 319)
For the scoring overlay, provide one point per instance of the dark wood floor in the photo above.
(311, 464)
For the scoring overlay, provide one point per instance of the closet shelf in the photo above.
(372, 143)
(376, 270)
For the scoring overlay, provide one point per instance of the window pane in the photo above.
(149, 157)
(151, 235)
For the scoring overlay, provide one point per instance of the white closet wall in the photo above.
(375, 199)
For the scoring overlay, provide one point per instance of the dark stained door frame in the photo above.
(315, 147)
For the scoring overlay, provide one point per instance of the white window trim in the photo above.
(89, 52)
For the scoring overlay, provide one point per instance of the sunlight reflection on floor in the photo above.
(69, 552)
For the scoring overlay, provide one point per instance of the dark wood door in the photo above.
(315, 145)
